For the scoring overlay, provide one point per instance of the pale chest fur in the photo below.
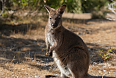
(50, 38)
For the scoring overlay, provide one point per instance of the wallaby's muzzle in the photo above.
(54, 25)
(55, 22)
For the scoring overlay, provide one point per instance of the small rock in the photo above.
(26, 73)
(37, 76)
(94, 63)
(100, 71)
(89, 68)
(22, 69)
(104, 70)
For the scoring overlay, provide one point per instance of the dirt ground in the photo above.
(22, 45)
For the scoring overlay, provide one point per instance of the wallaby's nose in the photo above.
(54, 24)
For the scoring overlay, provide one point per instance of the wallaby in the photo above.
(68, 50)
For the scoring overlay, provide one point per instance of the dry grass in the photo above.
(22, 46)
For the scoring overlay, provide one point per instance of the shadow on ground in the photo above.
(83, 21)
(7, 29)
(17, 49)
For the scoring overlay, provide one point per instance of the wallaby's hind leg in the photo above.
(74, 74)
(78, 68)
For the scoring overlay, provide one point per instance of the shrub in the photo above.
(105, 55)
(98, 15)
(96, 7)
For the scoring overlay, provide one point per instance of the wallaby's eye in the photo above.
(50, 18)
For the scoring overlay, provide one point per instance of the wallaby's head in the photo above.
(55, 16)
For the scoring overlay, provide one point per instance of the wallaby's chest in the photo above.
(51, 38)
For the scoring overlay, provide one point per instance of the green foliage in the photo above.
(91, 5)
(96, 7)
(73, 6)
(53, 3)
(26, 4)
(105, 54)
(5, 14)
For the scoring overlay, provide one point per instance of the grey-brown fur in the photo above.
(67, 49)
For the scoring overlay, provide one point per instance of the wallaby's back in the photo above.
(74, 53)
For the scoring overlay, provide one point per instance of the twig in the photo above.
(3, 4)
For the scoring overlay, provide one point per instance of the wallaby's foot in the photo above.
(50, 76)
(49, 54)
(63, 76)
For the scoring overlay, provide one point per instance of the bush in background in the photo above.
(73, 6)
(96, 7)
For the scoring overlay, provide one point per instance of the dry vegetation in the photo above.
(22, 45)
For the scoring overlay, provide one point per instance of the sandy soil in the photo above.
(22, 46)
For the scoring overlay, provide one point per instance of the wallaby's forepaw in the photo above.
(50, 53)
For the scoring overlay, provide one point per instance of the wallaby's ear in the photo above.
(47, 8)
(62, 9)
